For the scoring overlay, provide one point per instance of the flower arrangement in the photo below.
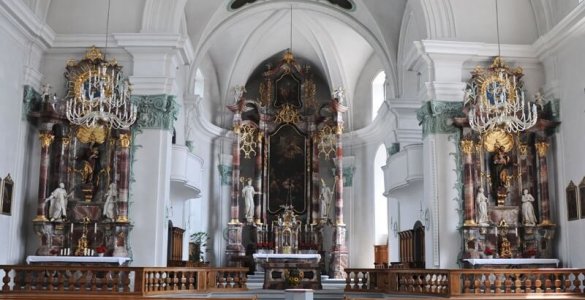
(488, 251)
(101, 249)
(530, 253)
(264, 245)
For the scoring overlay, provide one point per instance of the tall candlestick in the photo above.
(95, 227)
(71, 227)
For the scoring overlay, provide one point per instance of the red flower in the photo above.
(101, 249)
(488, 251)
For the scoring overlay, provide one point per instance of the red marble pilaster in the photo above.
(258, 178)
(123, 167)
(46, 137)
(468, 199)
(542, 150)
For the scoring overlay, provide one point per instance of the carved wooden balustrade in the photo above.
(464, 282)
(119, 280)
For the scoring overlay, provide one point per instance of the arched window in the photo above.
(199, 84)
(378, 93)
(381, 203)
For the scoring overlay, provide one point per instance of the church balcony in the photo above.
(186, 170)
(404, 167)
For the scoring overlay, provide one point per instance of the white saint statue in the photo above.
(110, 205)
(482, 208)
(58, 199)
(248, 193)
(528, 216)
(325, 198)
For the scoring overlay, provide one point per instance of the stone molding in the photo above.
(155, 111)
(31, 100)
(435, 116)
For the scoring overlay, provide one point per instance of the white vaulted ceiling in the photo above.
(341, 44)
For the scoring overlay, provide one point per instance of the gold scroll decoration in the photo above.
(46, 139)
(467, 146)
(499, 137)
(541, 148)
(88, 135)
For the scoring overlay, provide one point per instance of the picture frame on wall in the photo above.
(582, 197)
(572, 208)
(6, 191)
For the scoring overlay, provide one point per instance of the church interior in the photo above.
(372, 147)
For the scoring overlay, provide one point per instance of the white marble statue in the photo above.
(325, 197)
(338, 94)
(239, 91)
(528, 216)
(248, 193)
(110, 203)
(482, 208)
(58, 200)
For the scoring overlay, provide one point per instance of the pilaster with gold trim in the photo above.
(46, 137)
(467, 147)
(123, 153)
(541, 151)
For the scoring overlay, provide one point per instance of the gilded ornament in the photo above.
(467, 146)
(122, 219)
(501, 137)
(93, 53)
(523, 148)
(541, 148)
(88, 135)
(66, 141)
(265, 92)
(46, 139)
(288, 114)
(124, 140)
(237, 129)
(339, 128)
(326, 141)
(248, 144)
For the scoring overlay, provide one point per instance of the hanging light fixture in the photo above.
(497, 97)
(99, 94)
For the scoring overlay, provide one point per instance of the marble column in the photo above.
(339, 253)
(542, 149)
(46, 137)
(467, 147)
(258, 178)
(123, 161)
(234, 244)
(315, 179)
(62, 156)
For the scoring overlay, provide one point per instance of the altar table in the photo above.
(515, 263)
(81, 260)
(280, 270)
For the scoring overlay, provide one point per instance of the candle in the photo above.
(95, 227)
(71, 227)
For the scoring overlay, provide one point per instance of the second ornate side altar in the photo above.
(505, 168)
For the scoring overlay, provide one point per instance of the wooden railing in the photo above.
(120, 280)
(464, 282)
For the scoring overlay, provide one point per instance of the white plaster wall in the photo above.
(363, 94)
(475, 20)
(14, 135)
(150, 197)
(570, 145)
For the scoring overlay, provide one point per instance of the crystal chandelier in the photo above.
(497, 100)
(99, 94)
(496, 97)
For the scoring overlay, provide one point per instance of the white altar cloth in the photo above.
(77, 259)
(512, 261)
(281, 256)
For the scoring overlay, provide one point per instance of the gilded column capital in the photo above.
(237, 129)
(46, 139)
(467, 146)
(66, 141)
(523, 149)
(339, 128)
(124, 140)
(541, 148)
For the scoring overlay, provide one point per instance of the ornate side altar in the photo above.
(82, 207)
(284, 144)
(504, 154)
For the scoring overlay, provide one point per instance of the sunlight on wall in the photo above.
(381, 203)
(377, 93)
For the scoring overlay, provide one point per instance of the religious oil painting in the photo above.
(572, 210)
(287, 178)
(6, 191)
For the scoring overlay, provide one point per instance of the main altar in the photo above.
(286, 142)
